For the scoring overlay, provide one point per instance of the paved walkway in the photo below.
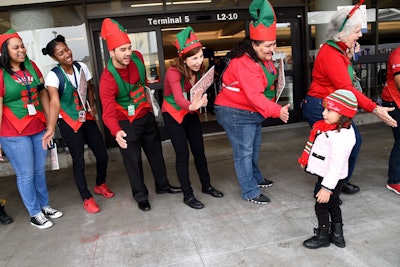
(228, 231)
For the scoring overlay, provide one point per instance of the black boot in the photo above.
(337, 235)
(4, 218)
(320, 238)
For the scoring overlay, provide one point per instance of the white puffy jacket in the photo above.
(329, 156)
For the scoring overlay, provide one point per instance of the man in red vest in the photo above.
(127, 113)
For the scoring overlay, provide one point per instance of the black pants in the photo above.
(331, 208)
(189, 131)
(143, 133)
(89, 133)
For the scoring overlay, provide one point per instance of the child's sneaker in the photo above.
(103, 190)
(40, 221)
(90, 205)
(394, 187)
(52, 213)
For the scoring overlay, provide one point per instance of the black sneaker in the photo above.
(52, 213)
(40, 221)
(260, 199)
(265, 183)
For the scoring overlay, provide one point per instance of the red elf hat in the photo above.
(114, 34)
(8, 35)
(186, 40)
(264, 26)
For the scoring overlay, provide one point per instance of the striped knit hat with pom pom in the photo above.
(343, 102)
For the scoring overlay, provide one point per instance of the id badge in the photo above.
(131, 110)
(31, 109)
(82, 116)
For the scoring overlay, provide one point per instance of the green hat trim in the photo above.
(183, 36)
(262, 12)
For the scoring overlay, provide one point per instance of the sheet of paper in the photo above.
(82, 88)
(281, 80)
(205, 81)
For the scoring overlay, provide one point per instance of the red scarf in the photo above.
(318, 127)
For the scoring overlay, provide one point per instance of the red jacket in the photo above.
(390, 92)
(330, 73)
(249, 79)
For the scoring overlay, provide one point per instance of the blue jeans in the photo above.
(243, 129)
(28, 159)
(394, 160)
(312, 111)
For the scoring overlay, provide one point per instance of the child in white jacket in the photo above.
(326, 155)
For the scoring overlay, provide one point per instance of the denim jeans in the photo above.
(243, 129)
(394, 160)
(312, 111)
(28, 159)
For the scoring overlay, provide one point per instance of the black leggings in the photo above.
(331, 208)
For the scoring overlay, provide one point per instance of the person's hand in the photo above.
(47, 138)
(120, 138)
(93, 112)
(357, 47)
(199, 100)
(284, 113)
(323, 195)
(383, 114)
(302, 166)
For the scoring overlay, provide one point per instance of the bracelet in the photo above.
(375, 110)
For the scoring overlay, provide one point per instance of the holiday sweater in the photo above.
(70, 101)
(248, 82)
(176, 101)
(113, 111)
(330, 72)
(37, 123)
(391, 92)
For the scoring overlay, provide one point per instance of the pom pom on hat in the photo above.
(8, 35)
(186, 40)
(264, 26)
(114, 34)
(343, 102)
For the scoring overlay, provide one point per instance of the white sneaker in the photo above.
(52, 213)
(40, 221)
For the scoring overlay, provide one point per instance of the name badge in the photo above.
(31, 109)
(82, 116)
(131, 110)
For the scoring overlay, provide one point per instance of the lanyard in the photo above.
(74, 74)
(268, 67)
(26, 83)
(76, 83)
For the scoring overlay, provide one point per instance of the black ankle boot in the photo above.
(337, 235)
(320, 238)
(4, 218)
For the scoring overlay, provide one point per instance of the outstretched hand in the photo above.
(199, 100)
(383, 114)
(284, 113)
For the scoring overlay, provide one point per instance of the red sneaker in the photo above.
(90, 205)
(394, 187)
(103, 190)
